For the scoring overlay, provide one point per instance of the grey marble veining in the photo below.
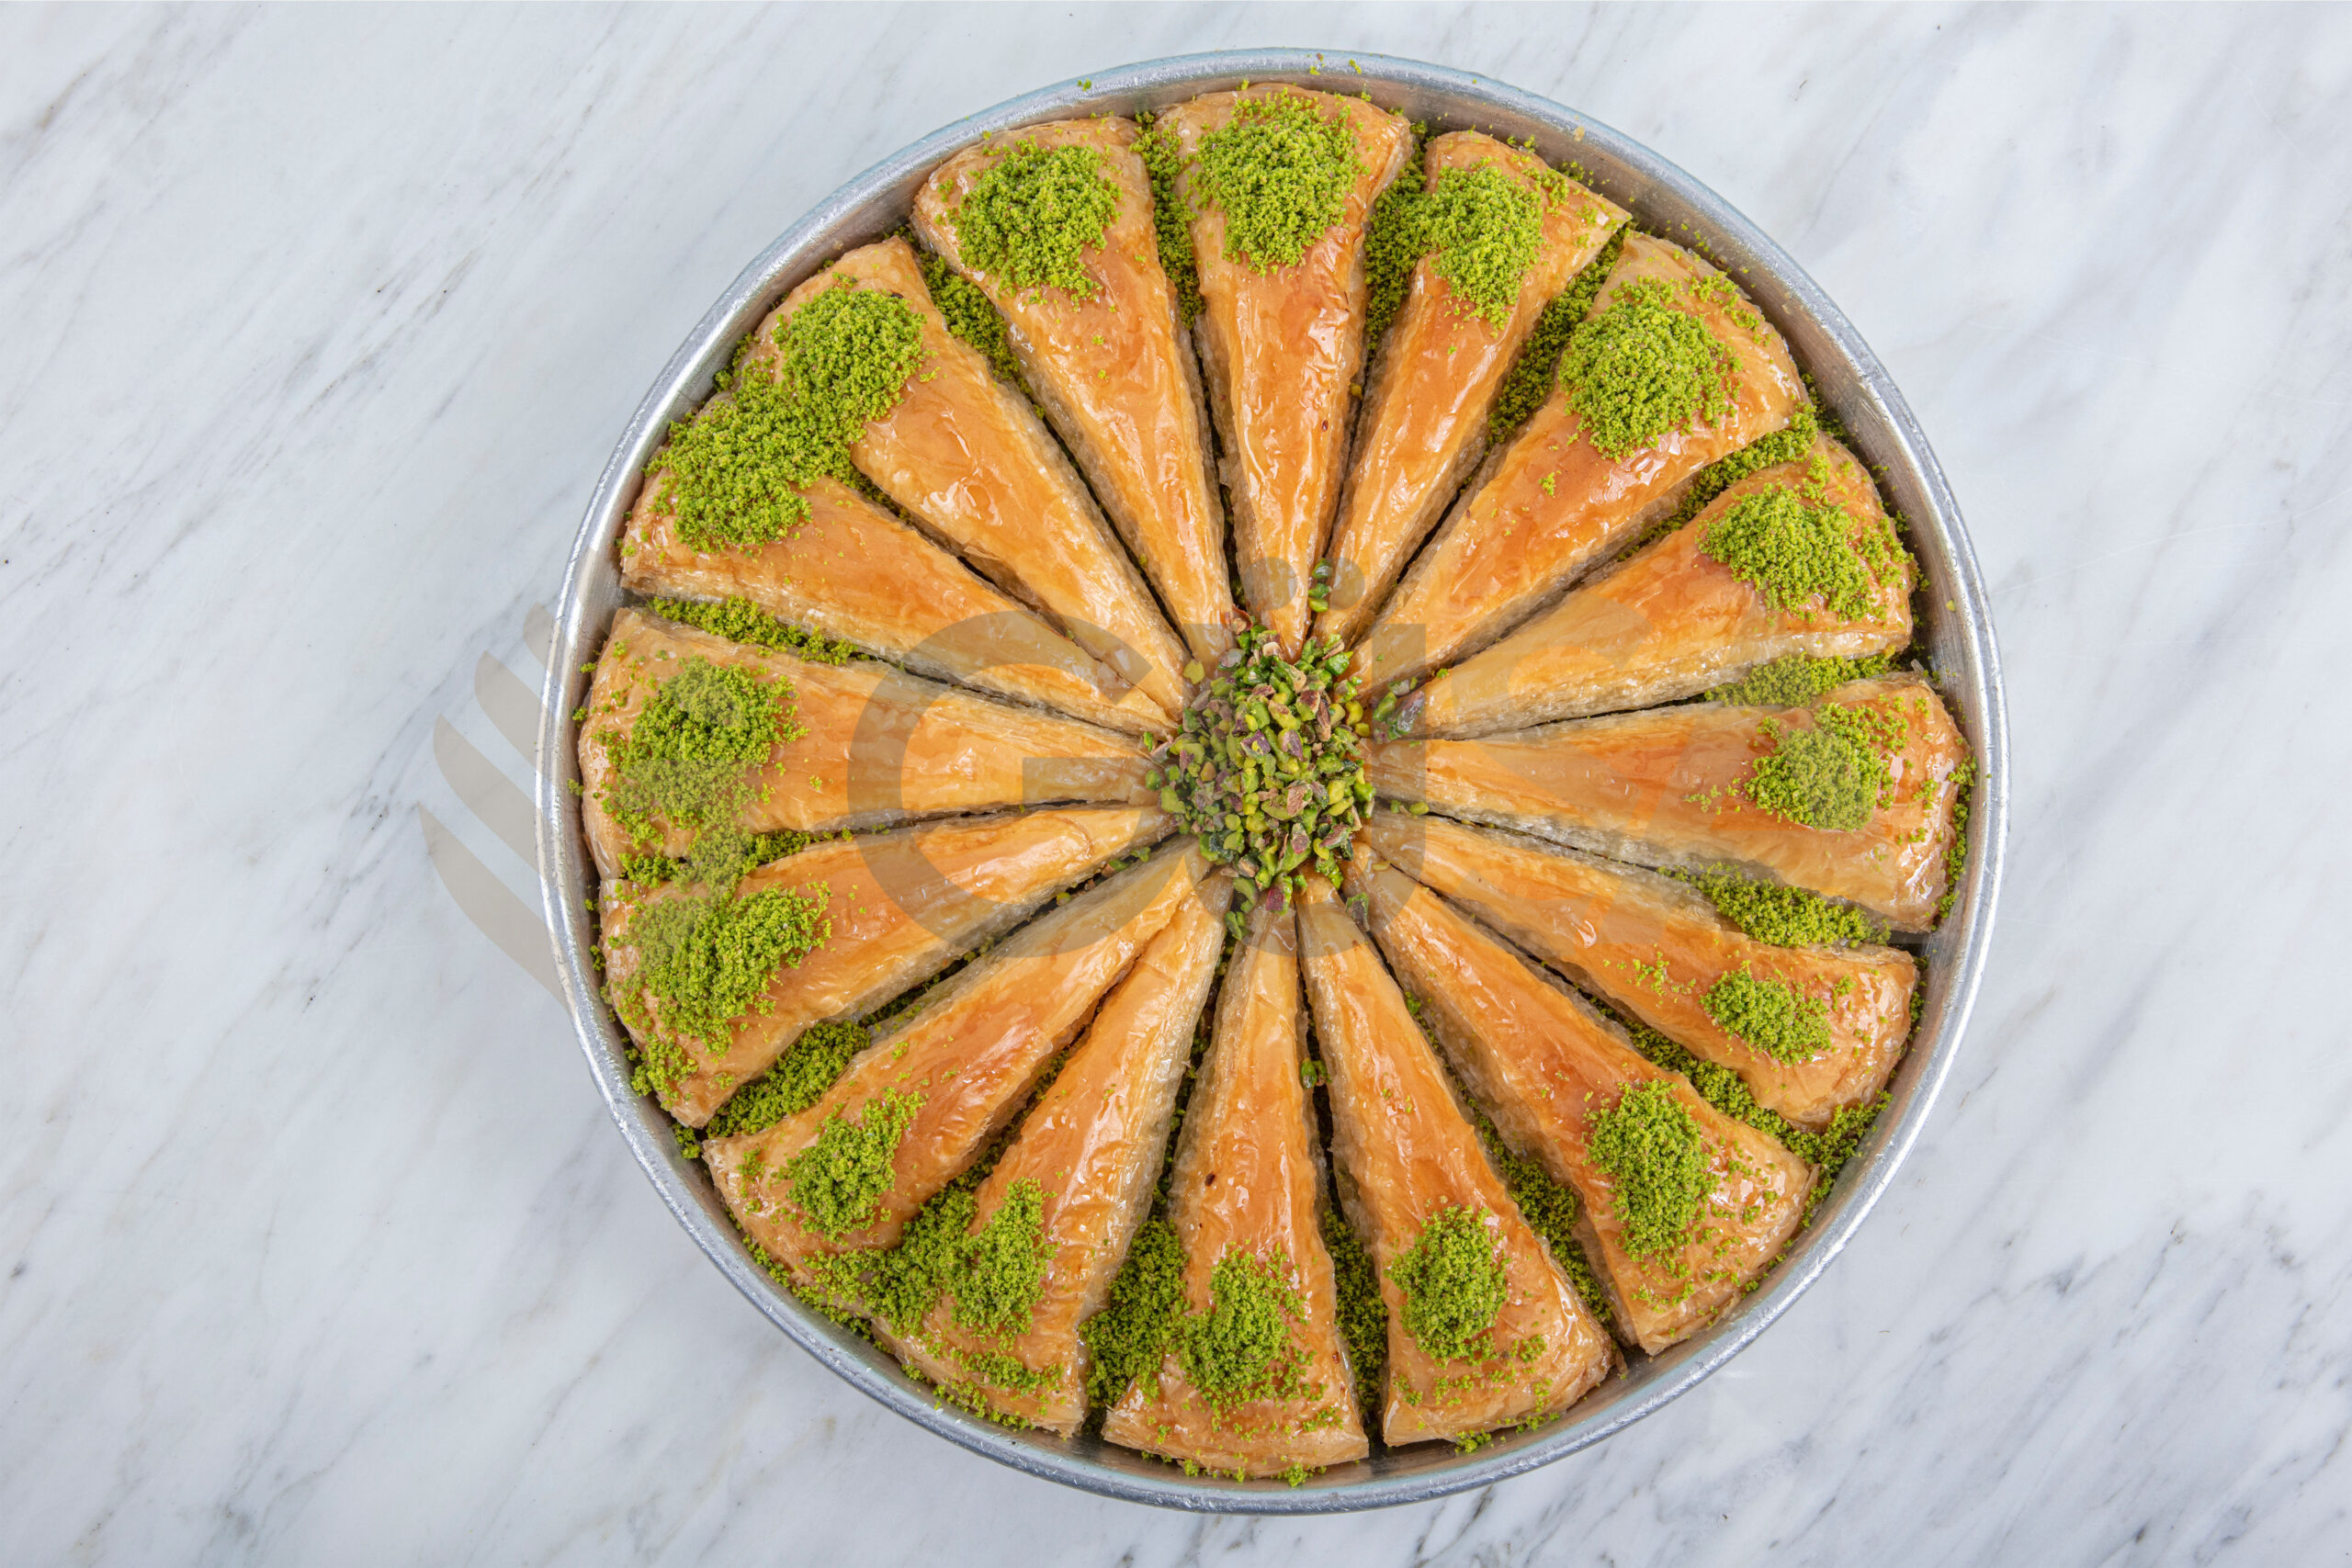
(315, 1244)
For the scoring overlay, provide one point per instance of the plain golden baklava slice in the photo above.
(714, 986)
(1798, 560)
(1055, 225)
(1854, 797)
(1682, 1206)
(1810, 1029)
(1501, 234)
(1278, 182)
(1255, 1380)
(1483, 1330)
(1672, 370)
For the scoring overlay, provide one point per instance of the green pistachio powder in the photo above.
(1454, 1283)
(1769, 1014)
(1484, 228)
(1280, 173)
(1656, 1159)
(1030, 219)
(1831, 777)
(737, 471)
(1364, 1317)
(1641, 368)
(709, 959)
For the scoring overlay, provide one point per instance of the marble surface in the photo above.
(317, 1244)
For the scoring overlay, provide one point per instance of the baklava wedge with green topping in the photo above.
(1056, 226)
(1809, 1029)
(1681, 1206)
(1671, 370)
(1854, 797)
(828, 1191)
(993, 1307)
(968, 458)
(1482, 1328)
(1254, 1378)
(752, 498)
(1497, 235)
(1798, 560)
(687, 732)
(715, 985)
(1278, 182)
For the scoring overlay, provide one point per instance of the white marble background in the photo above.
(315, 327)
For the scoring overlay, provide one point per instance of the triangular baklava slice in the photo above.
(1002, 1296)
(968, 458)
(1278, 182)
(1257, 1381)
(720, 983)
(850, 570)
(1684, 1206)
(1798, 560)
(1672, 370)
(1503, 235)
(1810, 1029)
(1055, 225)
(823, 1189)
(814, 746)
(1853, 797)
(1483, 1330)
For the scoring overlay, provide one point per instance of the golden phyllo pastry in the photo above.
(1673, 369)
(1483, 1330)
(1682, 1205)
(1278, 183)
(1498, 234)
(1055, 225)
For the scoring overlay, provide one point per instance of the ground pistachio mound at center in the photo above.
(1267, 766)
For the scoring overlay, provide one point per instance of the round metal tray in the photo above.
(1957, 633)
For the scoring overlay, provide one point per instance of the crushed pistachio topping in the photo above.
(1641, 369)
(1786, 444)
(1831, 777)
(1241, 1348)
(739, 620)
(1828, 1150)
(1549, 1207)
(1794, 552)
(796, 1081)
(1280, 173)
(1171, 219)
(970, 317)
(1486, 229)
(1000, 1270)
(1655, 1157)
(705, 960)
(1363, 1315)
(1032, 216)
(1392, 242)
(1785, 917)
(722, 856)
(1139, 1319)
(1267, 766)
(1769, 1014)
(839, 1180)
(736, 472)
(1453, 1282)
(1531, 375)
(686, 758)
(1796, 679)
